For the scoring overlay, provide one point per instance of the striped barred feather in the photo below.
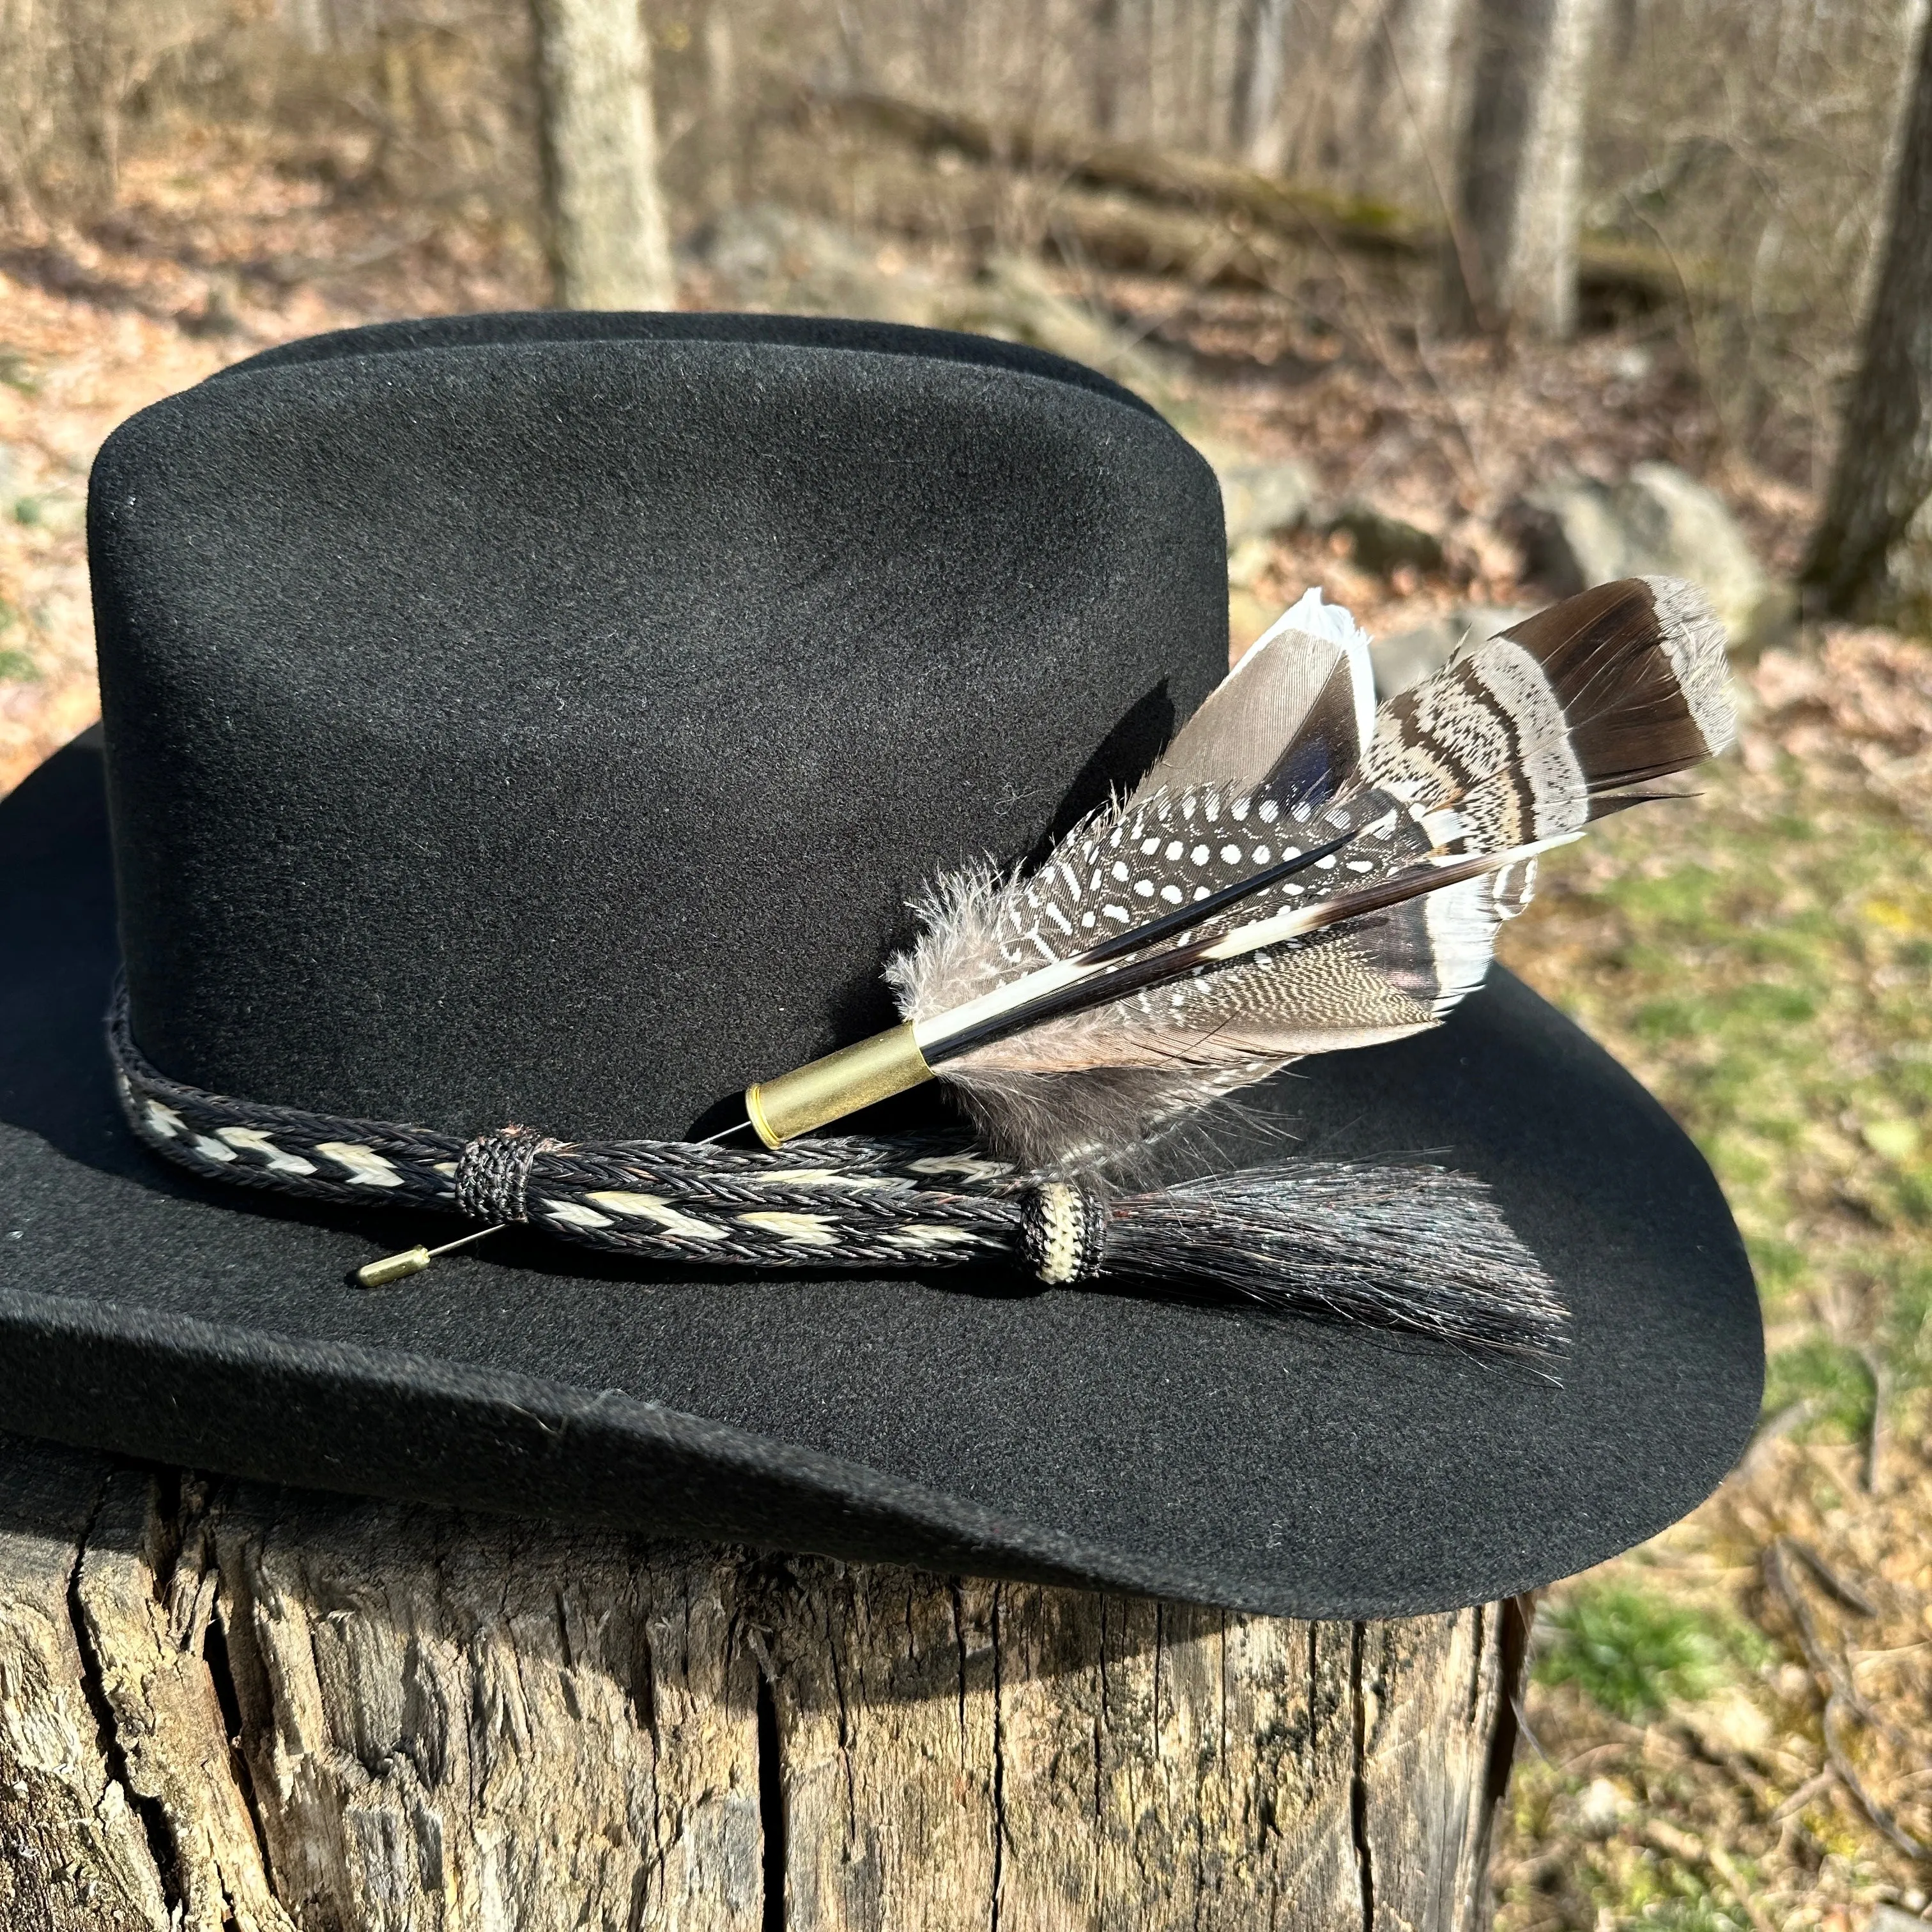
(1433, 802)
(1533, 733)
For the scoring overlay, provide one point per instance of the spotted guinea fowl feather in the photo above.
(1349, 869)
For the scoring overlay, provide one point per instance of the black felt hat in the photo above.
(547, 719)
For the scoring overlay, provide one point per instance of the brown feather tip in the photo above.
(1639, 668)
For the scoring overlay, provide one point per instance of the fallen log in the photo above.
(1158, 174)
(1250, 208)
(1107, 228)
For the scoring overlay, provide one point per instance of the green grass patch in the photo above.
(1779, 1265)
(1906, 1282)
(1763, 965)
(1634, 1653)
(1660, 1895)
(1818, 1371)
(1692, 1910)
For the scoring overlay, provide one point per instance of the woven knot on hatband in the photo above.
(1063, 1232)
(493, 1174)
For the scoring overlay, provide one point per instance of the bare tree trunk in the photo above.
(1106, 69)
(1261, 130)
(610, 245)
(1522, 166)
(1413, 102)
(722, 132)
(1160, 69)
(245, 1708)
(1882, 479)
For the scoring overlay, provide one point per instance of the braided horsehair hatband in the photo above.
(1417, 1247)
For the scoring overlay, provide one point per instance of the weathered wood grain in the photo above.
(230, 1705)
(73, 1852)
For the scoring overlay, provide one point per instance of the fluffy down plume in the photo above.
(1346, 861)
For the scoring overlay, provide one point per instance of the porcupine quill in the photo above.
(1299, 873)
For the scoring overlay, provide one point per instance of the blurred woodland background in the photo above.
(1471, 302)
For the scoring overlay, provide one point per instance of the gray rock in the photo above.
(1657, 522)
(1891, 1918)
(1482, 621)
(1384, 543)
(1409, 656)
(1263, 500)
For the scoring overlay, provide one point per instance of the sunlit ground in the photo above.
(1763, 958)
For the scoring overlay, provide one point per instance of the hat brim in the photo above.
(962, 1421)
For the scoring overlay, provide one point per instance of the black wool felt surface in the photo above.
(966, 1421)
(554, 731)
(798, 331)
(544, 719)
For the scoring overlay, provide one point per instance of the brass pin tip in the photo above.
(413, 1261)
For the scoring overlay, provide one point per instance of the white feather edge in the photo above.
(932, 1032)
(1233, 740)
(1694, 642)
(1462, 920)
(1334, 624)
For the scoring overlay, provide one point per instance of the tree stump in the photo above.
(223, 1703)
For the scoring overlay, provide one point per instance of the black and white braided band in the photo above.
(850, 1203)
(1411, 1246)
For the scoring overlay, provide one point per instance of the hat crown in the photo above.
(554, 731)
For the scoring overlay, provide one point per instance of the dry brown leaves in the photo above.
(220, 248)
(1801, 1797)
(1863, 699)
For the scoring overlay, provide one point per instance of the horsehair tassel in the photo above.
(1299, 873)
(1409, 1247)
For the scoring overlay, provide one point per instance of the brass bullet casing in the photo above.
(841, 1083)
(393, 1267)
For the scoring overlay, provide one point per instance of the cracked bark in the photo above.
(1862, 563)
(230, 1705)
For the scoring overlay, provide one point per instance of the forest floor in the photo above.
(1731, 1726)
